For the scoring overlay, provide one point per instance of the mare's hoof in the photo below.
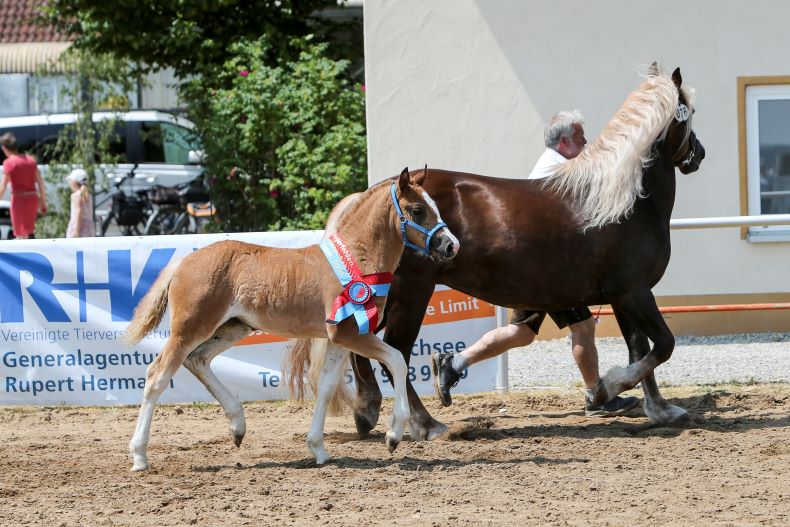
(363, 425)
(600, 395)
(681, 419)
(437, 430)
(666, 415)
(421, 432)
(237, 440)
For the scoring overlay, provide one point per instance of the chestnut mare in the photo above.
(219, 293)
(596, 232)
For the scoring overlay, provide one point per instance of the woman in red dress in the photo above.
(22, 172)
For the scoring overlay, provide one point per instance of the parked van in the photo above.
(155, 148)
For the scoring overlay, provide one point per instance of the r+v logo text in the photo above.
(124, 295)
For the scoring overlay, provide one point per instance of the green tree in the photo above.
(190, 36)
(283, 142)
(96, 82)
(303, 142)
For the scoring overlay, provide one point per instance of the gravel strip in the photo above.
(753, 357)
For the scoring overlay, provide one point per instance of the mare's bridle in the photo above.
(405, 222)
(682, 114)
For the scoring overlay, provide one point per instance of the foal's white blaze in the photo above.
(431, 203)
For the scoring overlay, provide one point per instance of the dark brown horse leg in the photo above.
(640, 309)
(411, 290)
(368, 404)
(657, 409)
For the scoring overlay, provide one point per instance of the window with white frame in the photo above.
(767, 116)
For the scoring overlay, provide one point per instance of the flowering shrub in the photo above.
(283, 142)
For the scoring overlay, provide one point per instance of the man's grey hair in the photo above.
(561, 125)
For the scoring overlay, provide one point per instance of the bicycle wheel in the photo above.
(106, 224)
(161, 222)
(182, 225)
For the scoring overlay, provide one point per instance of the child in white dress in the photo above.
(81, 220)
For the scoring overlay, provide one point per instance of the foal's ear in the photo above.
(652, 71)
(403, 180)
(419, 177)
(676, 78)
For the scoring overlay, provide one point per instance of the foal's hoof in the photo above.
(392, 442)
(139, 466)
(323, 458)
(237, 440)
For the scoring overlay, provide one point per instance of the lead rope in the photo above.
(598, 314)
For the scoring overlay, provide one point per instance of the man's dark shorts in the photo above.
(566, 317)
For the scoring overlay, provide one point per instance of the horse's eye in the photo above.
(417, 213)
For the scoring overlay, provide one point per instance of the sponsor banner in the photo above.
(65, 304)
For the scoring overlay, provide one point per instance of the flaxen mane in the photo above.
(605, 180)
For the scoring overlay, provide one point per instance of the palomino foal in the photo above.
(219, 293)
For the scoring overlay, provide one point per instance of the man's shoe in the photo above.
(444, 376)
(617, 406)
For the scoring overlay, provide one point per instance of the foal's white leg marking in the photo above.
(331, 375)
(400, 415)
(139, 443)
(153, 389)
(198, 362)
(372, 347)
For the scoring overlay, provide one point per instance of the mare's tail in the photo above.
(303, 364)
(148, 313)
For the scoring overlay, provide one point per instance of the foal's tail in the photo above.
(151, 308)
(303, 364)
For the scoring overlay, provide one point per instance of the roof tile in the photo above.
(16, 24)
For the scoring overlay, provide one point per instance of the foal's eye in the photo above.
(417, 213)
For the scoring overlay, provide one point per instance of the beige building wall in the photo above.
(469, 85)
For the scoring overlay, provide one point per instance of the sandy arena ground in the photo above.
(525, 458)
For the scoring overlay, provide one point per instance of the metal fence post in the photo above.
(501, 385)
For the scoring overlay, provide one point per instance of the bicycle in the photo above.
(183, 209)
(129, 212)
(166, 209)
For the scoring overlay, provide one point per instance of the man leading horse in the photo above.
(564, 139)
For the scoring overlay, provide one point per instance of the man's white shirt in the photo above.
(547, 164)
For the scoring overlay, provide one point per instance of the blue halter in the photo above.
(404, 222)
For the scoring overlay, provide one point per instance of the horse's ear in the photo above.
(419, 177)
(652, 71)
(403, 180)
(676, 78)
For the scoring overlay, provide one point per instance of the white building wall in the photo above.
(469, 85)
(159, 91)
